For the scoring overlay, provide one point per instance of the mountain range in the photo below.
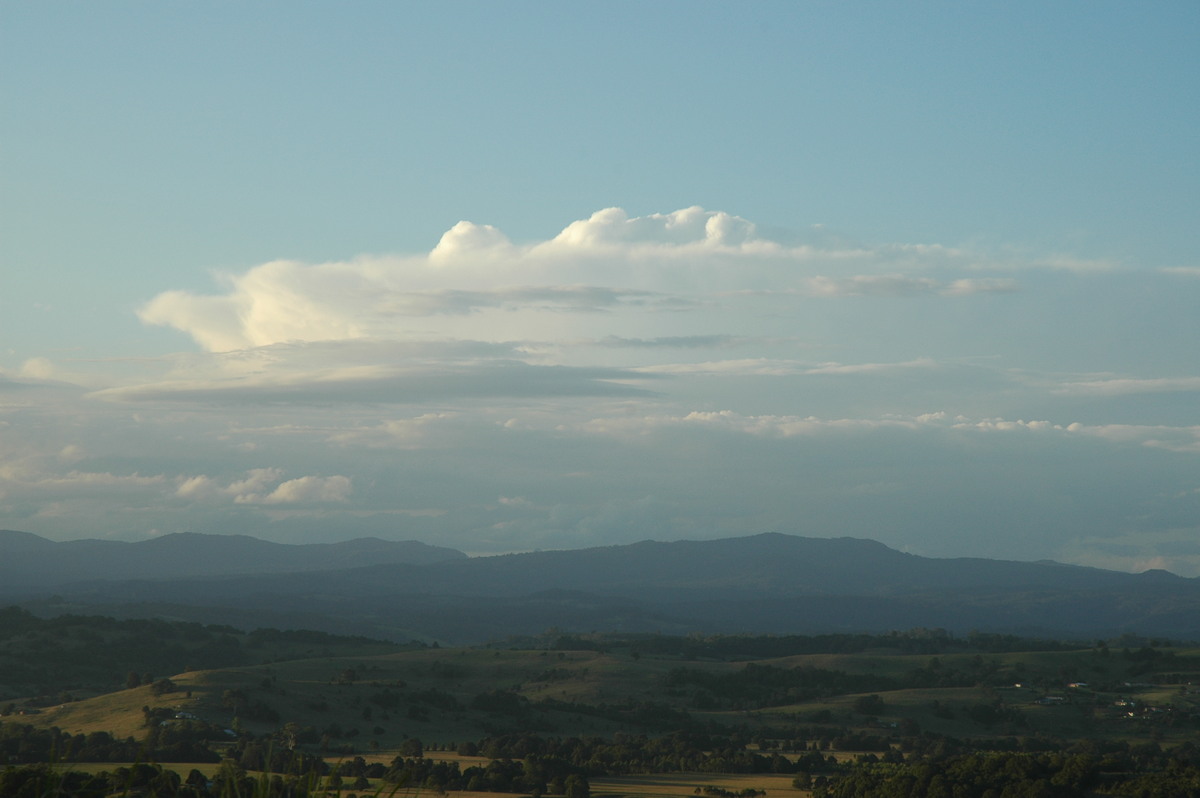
(769, 583)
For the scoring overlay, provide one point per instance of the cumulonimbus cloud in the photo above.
(610, 261)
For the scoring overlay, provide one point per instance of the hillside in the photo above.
(605, 684)
(718, 716)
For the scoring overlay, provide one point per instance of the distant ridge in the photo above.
(765, 565)
(12, 540)
(769, 583)
(27, 560)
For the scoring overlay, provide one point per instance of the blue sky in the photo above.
(547, 275)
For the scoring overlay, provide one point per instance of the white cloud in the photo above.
(71, 453)
(771, 426)
(79, 480)
(198, 487)
(1173, 438)
(743, 367)
(1119, 386)
(991, 285)
(467, 239)
(899, 285)
(1070, 263)
(426, 430)
(1182, 439)
(248, 488)
(1004, 425)
(780, 368)
(256, 481)
(38, 368)
(921, 364)
(306, 490)
(610, 261)
(677, 342)
(872, 285)
(265, 486)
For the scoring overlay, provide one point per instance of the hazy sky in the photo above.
(505, 276)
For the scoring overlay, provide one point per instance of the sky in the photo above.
(547, 275)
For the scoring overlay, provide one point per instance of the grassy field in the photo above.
(685, 785)
(672, 785)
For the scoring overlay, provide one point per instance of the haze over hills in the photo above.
(769, 583)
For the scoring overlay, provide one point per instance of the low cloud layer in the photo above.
(663, 376)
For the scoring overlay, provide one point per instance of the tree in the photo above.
(577, 786)
(868, 705)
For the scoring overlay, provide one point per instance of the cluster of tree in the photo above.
(310, 637)
(1030, 766)
(46, 656)
(623, 754)
(500, 702)
(534, 775)
(978, 775)
(242, 706)
(965, 672)
(153, 781)
(748, 647)
(642, 714)
(721, 792)
(176, 742)
(1148, 658)
(262, 755)
(36, 781)
(756, 686)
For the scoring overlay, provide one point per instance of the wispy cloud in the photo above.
(675, 342)
(1121, 386)
(560, 299)
(389, 385)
